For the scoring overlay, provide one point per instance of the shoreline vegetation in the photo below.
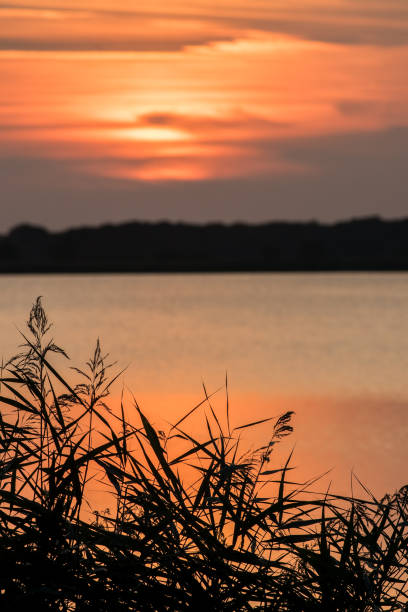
(365, 244)
(194, 524)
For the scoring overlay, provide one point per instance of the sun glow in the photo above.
(239, 89)
(178, 172)
(150, 134)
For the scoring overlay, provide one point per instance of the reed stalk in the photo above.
(194, 524)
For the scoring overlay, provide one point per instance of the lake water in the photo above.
(333, 347)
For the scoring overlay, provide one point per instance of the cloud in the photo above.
(203, 123)
(355, 174)
(351, 108)
(97, 44)
(345, 32)
(28, 28)
(97, 26)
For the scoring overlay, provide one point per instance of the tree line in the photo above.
(364, 244)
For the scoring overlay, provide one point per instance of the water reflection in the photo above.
(364, 435)
(331, 347)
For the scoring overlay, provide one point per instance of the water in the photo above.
(333, 347)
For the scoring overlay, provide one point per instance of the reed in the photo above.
(198, 524)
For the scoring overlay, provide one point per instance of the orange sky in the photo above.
(284, 97)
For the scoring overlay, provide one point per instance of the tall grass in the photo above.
(196, 524)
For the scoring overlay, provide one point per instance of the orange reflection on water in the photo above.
(363, 435)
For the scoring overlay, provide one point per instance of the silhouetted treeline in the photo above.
(359, 244)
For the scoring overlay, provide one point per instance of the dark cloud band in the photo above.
(362, 23)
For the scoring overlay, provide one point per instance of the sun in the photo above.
(152, 134)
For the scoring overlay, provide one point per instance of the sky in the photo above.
(202, 111)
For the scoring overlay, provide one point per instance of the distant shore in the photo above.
(359, 245)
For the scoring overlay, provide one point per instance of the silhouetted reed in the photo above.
(192, 524)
